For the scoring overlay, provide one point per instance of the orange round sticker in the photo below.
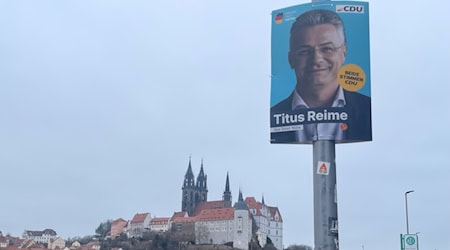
(351, 77)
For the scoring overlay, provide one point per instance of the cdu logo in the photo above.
(350, 9)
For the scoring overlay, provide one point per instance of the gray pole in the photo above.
(406, 205)
(325, 200)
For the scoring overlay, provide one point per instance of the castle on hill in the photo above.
(221, 222)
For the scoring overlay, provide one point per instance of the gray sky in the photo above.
(102, 103)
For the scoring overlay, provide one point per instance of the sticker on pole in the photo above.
(323, 168)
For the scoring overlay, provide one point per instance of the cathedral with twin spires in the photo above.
(196, 192)
(220, 222)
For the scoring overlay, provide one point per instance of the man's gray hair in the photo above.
(316, 17)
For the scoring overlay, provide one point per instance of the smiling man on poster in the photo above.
(324, 104)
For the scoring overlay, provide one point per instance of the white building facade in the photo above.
(222, 225)
(243, 225)
(275, 229)
(214, 231)
(40, 236)
(160, 224)
(138, 225)
(268, 220)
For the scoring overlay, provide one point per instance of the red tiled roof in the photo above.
(139, 218)
(216, 214)
(117, 226)
(118, 221)
(208, 205)
(213, 214)
(273, 211)
(179, 214)
(253, 204)
(183, 219)
(159, 220)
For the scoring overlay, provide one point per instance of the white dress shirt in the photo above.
(319, 131)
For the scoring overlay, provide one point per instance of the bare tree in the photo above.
(103, 228)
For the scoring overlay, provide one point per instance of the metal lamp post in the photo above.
(406, 205)
(325, 203)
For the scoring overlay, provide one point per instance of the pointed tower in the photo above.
(242, 224)
(202, 188)
(188, 198)
(227, 193)
(264, 208)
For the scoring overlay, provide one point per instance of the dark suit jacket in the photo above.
(359, 121)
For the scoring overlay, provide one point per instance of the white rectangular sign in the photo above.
(410, 242)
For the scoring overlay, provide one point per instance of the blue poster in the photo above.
(320, 80)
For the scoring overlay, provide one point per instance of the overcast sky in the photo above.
(103, 102)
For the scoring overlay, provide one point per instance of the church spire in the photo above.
(227, 193)
(240, 204)
(201, 179)
(189, 176)
(227, 184)
(189, 191)
(202, 187)
(240, 196)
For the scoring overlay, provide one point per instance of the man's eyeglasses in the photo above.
(324, 50)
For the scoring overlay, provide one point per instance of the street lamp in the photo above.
(406, 205)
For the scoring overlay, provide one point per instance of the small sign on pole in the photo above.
(410, 242)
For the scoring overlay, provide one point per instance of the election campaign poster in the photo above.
(320, 73)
